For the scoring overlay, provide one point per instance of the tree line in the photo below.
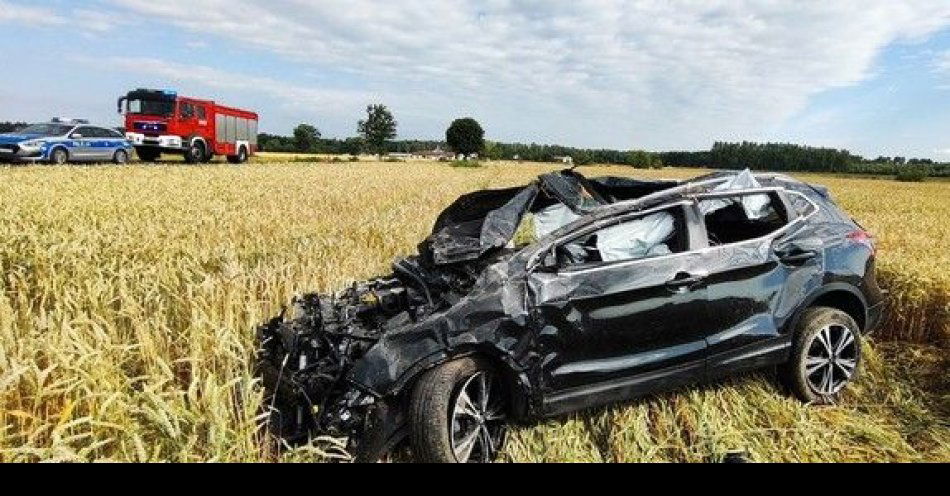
(9, 127)
(376, 133)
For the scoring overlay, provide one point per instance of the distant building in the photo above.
(567, 159)
(437, 154)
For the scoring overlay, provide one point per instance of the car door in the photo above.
(97, 143)
(82, 140)
(759, 265)
(620, 326)
(111, 142)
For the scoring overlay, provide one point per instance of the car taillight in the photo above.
(863, 237)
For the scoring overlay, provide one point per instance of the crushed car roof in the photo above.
(482, 221)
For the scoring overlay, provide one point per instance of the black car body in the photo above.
(631, 287)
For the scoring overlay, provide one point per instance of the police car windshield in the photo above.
(151, 107)
(46, 129)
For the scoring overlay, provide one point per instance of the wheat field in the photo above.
(128, 298)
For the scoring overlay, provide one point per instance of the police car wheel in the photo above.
(59, 156)
(120, 157)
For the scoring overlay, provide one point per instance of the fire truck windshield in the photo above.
(151, 107)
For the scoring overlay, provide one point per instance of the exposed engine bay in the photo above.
(305, 354)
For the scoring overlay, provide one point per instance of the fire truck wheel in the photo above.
(120, 157)
(195, 152)
(240, 158)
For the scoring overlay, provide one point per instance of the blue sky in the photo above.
(872, 76)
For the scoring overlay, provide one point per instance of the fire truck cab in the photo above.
(160, 121)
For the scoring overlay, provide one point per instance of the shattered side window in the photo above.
(652, 235)
(742, 217)
(802, 206)
(755, 206)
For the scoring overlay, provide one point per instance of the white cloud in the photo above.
(95, 21)
(294, 95)
(196, 44)
(86, 20)
(607, 72)
(32, 16)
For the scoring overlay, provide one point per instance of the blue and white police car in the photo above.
(60, 141)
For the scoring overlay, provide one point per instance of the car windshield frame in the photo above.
(47, 129)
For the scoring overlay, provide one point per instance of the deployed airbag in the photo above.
(640, 238)
(553, 218)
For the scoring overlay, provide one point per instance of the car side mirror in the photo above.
(75, 136)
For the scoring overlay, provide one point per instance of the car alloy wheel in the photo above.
(831, 359)
(478, 420)
(60, 156)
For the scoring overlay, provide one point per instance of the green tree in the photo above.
(493, 151)
(352, 146)
(306, 138)
(379, 126)
(465, 136)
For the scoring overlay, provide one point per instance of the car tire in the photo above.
(148, 154)
(458, 413)
(59, 156)
(195, 153)
(240, 158)
(120, 157)
(826, 355)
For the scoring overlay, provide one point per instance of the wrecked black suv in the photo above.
(573, 292)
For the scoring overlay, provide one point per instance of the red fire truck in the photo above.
(160, 121)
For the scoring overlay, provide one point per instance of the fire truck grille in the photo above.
(151, 127)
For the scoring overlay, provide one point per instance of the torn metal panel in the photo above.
(478, 223)
(616, 189)
(573, 190)
(754, 205)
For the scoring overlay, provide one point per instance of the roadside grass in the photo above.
(129, 295)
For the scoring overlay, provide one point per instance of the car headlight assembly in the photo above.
(33, 144)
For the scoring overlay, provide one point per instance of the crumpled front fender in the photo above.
(491, 320)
